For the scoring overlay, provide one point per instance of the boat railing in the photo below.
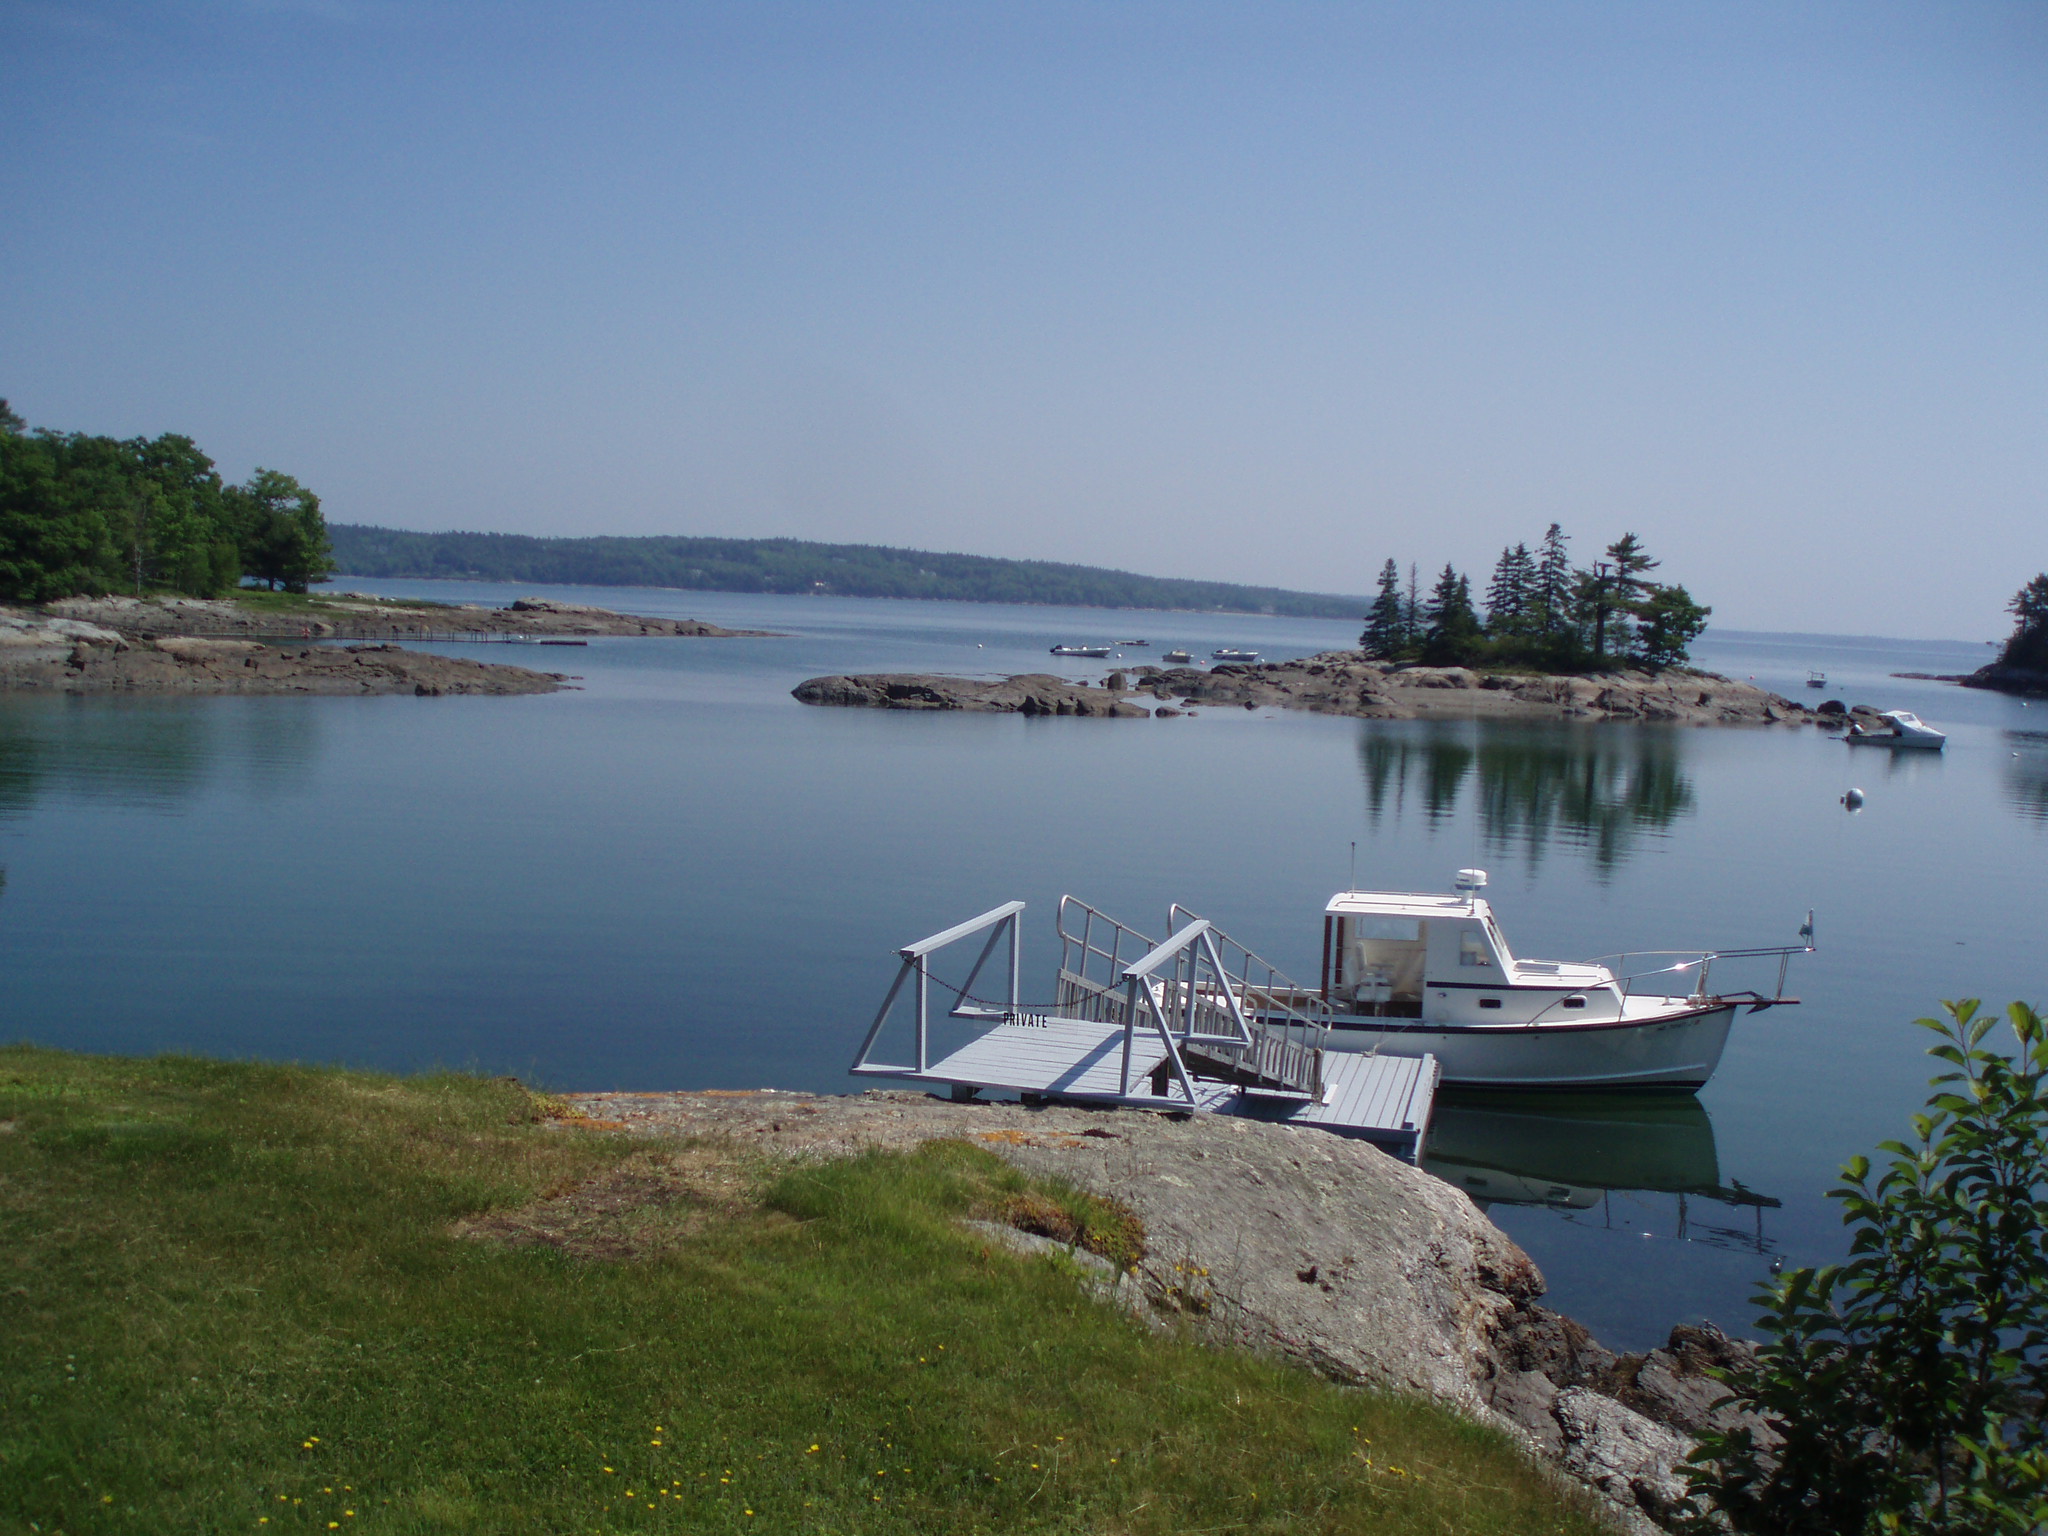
(1704, 960)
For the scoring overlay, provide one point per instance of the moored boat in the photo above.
(1903, 728)
(1413, 974)
(1816, 679)
(1227, 654)
(1097, 651)
(1178, 658)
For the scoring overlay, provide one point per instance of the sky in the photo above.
(1257, 292)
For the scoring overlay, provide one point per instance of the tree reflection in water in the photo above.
(1599, 788)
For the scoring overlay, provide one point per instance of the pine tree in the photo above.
(1550, 594)
(1386, 623)
(1511, 592)
(1452, 623)
(1613, 589)
(1411, 609)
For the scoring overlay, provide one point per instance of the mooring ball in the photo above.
(1853, 799)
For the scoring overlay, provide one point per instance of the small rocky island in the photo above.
(1335, 683)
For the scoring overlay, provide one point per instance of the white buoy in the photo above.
(1853, 799)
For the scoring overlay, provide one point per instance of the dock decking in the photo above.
(1382, 1099)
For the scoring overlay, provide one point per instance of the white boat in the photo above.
(1097, 651)
(1412, 974)
(1906, 730)
(1226, 654)
(1179, 658)
(1816, 679)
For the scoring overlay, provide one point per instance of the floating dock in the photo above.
(1194, 1025)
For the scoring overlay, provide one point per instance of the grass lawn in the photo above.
(253, 1298)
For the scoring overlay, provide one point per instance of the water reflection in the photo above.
(1586, 787)
(1576, 1154)
(2026, 773)
(154, 754)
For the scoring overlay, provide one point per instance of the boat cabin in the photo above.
(1387, 953)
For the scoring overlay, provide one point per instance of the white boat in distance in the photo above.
(1409, 974)
(1177, 656)
(1907, 730)
(1816, 679)
(1097, 651)
(1226, 654)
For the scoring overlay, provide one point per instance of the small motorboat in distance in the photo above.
(1097, 651)
(1906, 730)
(1178, 658)
(1134, 642)
(1816, 679)
(1410, 974)
(1227, 654)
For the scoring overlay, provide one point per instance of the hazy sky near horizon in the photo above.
(1253, 292)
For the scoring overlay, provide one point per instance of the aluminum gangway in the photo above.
(1195, 1023)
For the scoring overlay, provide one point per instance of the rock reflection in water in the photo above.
(1600, 788)
(2026, 773)
(1575, 1153)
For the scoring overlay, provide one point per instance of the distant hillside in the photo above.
(795, 565)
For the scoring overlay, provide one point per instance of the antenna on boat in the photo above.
(1353, 884)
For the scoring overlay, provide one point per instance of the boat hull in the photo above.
(1674, 1051)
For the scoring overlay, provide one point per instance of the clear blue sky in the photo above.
(1264, 292)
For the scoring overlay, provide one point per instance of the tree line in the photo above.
(800, 566)
(81, 514)
(1540, 611)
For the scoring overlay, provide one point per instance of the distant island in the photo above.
(800, 566)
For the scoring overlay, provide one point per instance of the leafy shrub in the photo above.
(1904, 1389)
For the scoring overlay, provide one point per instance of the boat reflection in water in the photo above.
(1536, 784)
(1575, 1153)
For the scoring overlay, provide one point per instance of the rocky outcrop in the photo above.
(70, 656)
(353, 616)
(2000, 678)
(1336, 683)
(1299, 1242)
(1036, 693)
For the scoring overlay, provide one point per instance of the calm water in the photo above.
(679, 877)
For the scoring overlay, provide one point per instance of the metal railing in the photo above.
(916, 964)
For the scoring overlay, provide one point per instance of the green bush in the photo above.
(1903, 1390)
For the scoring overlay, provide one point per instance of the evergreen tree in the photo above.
(1611, 590)
(1669, 622)
(1386, 623)
(2028, 647)
(1511, 592)
(1550, 596)
(1452, 625)
(1411, 609)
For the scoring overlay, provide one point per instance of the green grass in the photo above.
(238, 1297)
(258, 600)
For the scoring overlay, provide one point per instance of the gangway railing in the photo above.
(1289, 1024)
(916, 958)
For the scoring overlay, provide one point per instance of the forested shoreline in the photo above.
(801, 566)
(86, 515)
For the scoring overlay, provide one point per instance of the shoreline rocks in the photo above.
(1299, 1242)
(1999, 678)
(1033, 693)
(71, 656)
(352, 616)
(1337, 683)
